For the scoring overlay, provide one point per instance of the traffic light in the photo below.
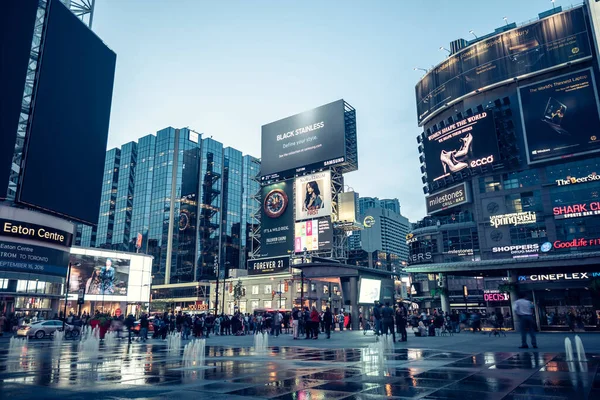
(286, 286)
(272, 295)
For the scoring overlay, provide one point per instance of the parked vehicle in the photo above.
(41, 329)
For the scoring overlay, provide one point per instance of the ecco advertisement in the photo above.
(528, 49)
(447, 198)
(277, 221)
(310, 140)
(468, 143)
(18, 257)
(560, 117)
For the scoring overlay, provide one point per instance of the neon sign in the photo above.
(577, 210)
(520, 218)
(495, 295)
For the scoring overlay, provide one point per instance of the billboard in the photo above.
(313, 195)
(370, 291)
(20, 257)
(468, 143)
(347, 207)
(447, 198)
(66, 139)
(560, 116)
(17, 21)
(277, 220)
(532, 48)
(262, 266)
(100, 276)
(313, 235)
(304, 142)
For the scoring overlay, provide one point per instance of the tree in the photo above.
(238, 292)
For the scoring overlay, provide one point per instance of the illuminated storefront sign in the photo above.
(461, 252)
(495, 295)
(580, 242)
(572, 276)
(517, 249)
(577, 210)
(521, 218)
(570, 180)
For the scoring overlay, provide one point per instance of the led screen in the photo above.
(66, 140)
(313, 235)
(313, 195)
(277, 219)
(370, 291)
(101, 276)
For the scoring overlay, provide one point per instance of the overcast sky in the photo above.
(225, 68)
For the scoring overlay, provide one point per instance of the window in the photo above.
(281, 304)
(255, 289)
(458, 240)
(313, 287)
(523, 202)
(282, 287)
(325, 289)
(489, 184)
(3, 283)
(528, 234)
(268, 289)
(336, 290)
(267, 303)
(254, 304)
(298, 287)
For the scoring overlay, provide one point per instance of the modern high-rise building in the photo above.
(365, 203)
(187, 201)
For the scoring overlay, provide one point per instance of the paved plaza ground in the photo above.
(464, 366)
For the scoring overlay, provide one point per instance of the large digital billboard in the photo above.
(101, 276)
(17, 20)
(21, 257)
(560, 116)
(67, 134)
(313, 235)
(532, 48)
(313, 195)
(370, 291)
(277, 220)
(467, 143)
(307, 141)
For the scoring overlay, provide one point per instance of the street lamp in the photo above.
(506, 19)
(472, 32)
(67, 292)
(419, 69)
(443, 48)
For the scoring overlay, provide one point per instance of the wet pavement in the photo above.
(43, 370)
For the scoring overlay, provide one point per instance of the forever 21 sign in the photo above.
(263, 266)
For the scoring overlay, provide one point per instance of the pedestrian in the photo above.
(401, 320)
(314, 318)
(523, 309)
(341, 320)
(454, 321)
(438, 323)
(387, 319)
(129, 322)
(277, 320)
(307, 323)
(295, 322)
(144, 324)
(2, 322)
(328, 319)
(377, 317)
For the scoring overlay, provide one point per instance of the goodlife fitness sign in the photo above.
(577, 210)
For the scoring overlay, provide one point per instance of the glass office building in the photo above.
(185, 200)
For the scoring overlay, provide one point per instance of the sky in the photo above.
(227, 67)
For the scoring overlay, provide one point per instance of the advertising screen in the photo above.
(313, 196)
(560, 116)
(277, 237)
(19, 257)
(66, 139)
(447, 198)
(99, 276)
(313, 235)
(531, 48)
(310, 140)
(262, 266)
(370, 291)
(17, 21)
(468, 143)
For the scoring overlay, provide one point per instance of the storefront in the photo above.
(110, 282)
(34, 259)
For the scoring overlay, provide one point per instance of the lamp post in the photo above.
(506, 19)
(67, 292)
(443, 48)
(216, 270)
(472, 32)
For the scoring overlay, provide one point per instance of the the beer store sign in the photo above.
(571, 180)
(570, 276)
(521, 218)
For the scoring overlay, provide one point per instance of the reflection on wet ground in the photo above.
(44, 370)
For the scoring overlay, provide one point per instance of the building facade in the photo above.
(512, 198)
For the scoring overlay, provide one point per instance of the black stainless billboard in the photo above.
(560, 116)
(307, 141)
(447, 198)
(532, 48)
(277, 236)
(67, 134)
(262, 266)
(467, 143)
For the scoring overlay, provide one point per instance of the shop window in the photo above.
(254, 304)
(313, 287)
(267, 303)
(3, 283)
(325, 289)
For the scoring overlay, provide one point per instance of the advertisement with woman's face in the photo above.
(99, 276)
(313, 196)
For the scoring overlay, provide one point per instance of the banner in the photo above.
(313, 196)
(543, 44)
(560, 116)
(262, 266)
(277, 220)
(313, 235)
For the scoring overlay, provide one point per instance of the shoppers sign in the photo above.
(521, 218)
(447, 198)
(577, 210)
(571, 180)
(517, 249)
(570, 276)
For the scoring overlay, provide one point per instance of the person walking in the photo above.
(2, 322)
(314, 318)
(129, 322)
(307, 323)
(144, 324)
(523, 309)
(401, 319)
(328, 320)
(377, 318)
(295, 322)
(341, 320)
(387, 318)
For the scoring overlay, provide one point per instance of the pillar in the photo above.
(513, 293)
(354, 303)
(444, 297)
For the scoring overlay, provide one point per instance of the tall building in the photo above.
(510, 164)
(382, 242)
(186, 200)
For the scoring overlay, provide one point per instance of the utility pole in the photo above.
(279, 294)
(216, 269)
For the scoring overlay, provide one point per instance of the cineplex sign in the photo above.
(577, 210)
(571, 276)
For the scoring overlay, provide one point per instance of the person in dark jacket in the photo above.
(129, 322)
(401, 319)
(328, 320)
(387, 318)
(144, 324)
(307, 323)
(315, 319)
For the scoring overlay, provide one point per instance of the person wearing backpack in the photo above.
(377, 317)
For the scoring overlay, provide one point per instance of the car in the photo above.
(40, 329)
(136, 327)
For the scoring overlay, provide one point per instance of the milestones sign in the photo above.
(447, 198)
